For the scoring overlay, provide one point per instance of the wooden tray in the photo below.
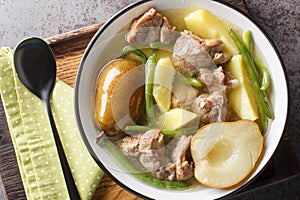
(68, 49)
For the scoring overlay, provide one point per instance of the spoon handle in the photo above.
(73, 192)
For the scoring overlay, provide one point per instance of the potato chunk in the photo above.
(241, 98)
(163, 80)
(206, 25)
(232, 156)
(176, 118)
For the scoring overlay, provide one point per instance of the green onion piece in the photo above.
(170, 133)
(194, 81)
(137, 128)
(135, 50)
(149, 74)
(183, 131)
(265, 74)
(248, 41)
(261, 68)
(156, 45)
(263, 121)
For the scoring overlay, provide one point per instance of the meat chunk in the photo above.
(135, 144)
(130, 145)
(212, 46)
(167, 32)
(221, 58)
(182, 147)
(151, 147)
(180, 167)
(150, 27)
(184, 169)
(214, 79)
(152, 160)
(151, 140)
(167, 162)
(183, 95)
(191, 53)
(211, 107)
(167, 173)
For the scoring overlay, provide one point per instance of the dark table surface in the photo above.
(280, 20)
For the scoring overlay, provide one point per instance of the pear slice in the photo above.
(232, 155)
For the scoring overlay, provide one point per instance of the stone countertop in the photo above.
(280, 19)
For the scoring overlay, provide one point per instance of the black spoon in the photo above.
(36, 67)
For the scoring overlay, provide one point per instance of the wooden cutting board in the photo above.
(68, 49)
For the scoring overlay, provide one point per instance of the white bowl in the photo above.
(98, 54)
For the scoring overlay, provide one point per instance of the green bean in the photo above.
(149, 74)
(166, 132)
(138, 174)
(156, 45)
(263, 121)
(183, 131)
(265, 74)
(175, 185)
(194, 81)
(261, 68)
(137, 128)
(136, 51)
(248, 41)
(260, 95)
(162, 46)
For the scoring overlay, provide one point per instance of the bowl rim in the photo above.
(86, 53)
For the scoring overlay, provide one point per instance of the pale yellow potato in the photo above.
(242, 97)
(162, 83)
(206, 25)
(176, 118)
(233, 155)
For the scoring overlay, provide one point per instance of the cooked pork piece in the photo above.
(212, 46)
(221, 58)
(135, 144)
(167, 162)
(152, 150)
(181, 149)
(183, 95)
(150, 27)
(211, 107)
(130, 145)
(214, 79)
(192, 53)
(184, 168)
(189, 55)
(152, 160)
(167, 32)
(151, 140)
(167, 173)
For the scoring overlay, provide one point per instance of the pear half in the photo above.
(231, 156)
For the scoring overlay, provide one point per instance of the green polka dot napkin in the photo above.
(33, 140)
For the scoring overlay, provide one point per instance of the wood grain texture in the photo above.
(68, 49)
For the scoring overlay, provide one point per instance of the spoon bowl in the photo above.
(36, 67)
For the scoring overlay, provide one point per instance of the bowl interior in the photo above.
(107, 45)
